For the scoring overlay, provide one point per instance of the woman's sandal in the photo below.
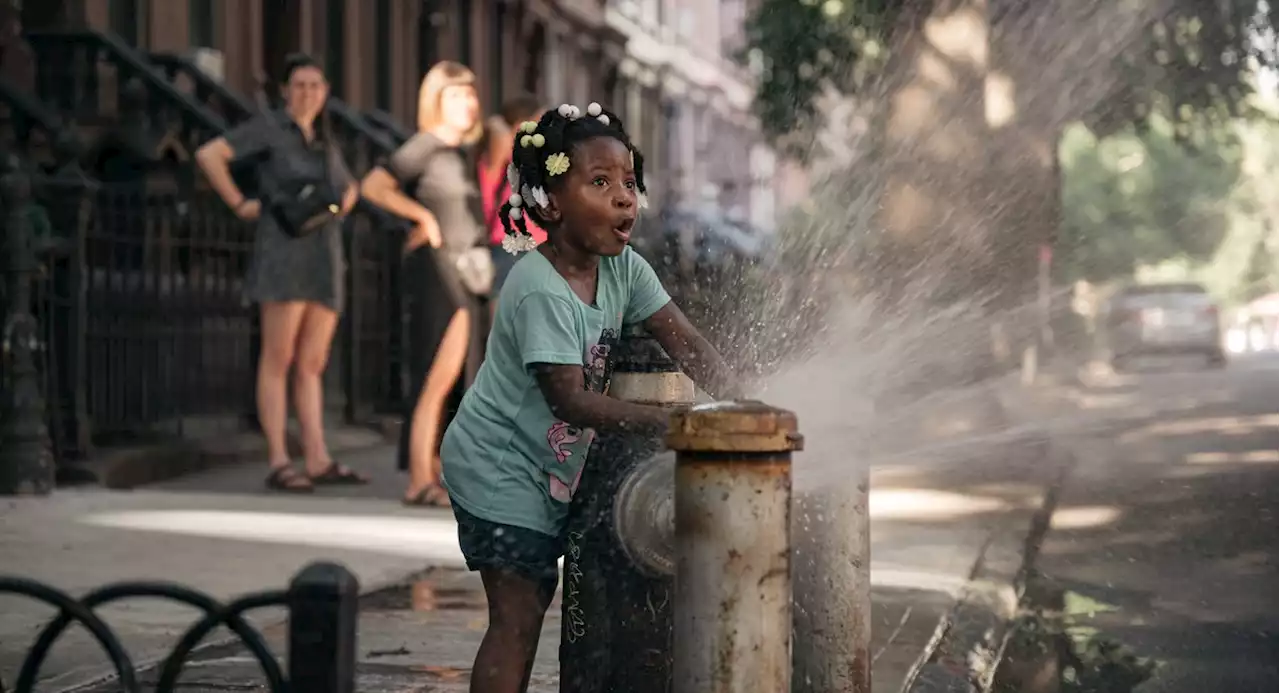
(338, 475)
(286, 479)
(430, 496)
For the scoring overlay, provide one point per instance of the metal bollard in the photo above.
(323, 604)
(733, 550)
(616, 597)
(831, 585)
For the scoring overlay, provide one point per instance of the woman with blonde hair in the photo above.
(446, 277)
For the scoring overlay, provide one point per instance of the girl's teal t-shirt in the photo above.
(505, 458)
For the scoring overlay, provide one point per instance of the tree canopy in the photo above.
(1137, 198)
(1193, 60)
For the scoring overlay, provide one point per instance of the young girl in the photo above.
(514, 453)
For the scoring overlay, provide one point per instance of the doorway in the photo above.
(42, 15)
(281, 20)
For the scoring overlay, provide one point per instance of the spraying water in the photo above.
(887, 351)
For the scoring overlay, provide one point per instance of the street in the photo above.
(1166, 529)
(422, 616)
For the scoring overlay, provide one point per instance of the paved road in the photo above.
(1171, 522)
(217, 531)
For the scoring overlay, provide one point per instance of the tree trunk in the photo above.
(969, 149)
(934, 207)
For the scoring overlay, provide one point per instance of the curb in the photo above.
(969, 641)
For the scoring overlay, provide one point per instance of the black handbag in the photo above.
(303, 206)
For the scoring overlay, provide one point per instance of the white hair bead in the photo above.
(604, 119)
(593, 109)
(515, 200)
(514, 213)
(565, 109)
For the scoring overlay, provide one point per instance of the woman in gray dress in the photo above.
(296, 281)
(447, 321)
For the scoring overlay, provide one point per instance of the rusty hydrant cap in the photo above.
(737, 426)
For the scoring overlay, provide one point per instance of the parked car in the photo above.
(1160, 319)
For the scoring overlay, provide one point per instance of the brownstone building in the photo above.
(375, 51)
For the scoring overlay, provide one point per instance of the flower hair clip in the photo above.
(557, 164)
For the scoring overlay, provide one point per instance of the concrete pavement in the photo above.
(1166, 529)
(217, 531)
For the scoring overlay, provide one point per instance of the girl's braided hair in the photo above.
(557, 132)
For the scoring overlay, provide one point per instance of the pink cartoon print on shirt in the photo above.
(560, 436)
(565, 439)
(562, 492)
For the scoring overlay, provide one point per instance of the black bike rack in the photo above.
(322, 600)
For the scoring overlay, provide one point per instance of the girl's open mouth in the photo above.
(623, 230)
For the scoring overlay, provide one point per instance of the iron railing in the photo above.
(139, 298)
(321, 600)
(92, 77)
(387, 123)
(141, 304)
(184, 74)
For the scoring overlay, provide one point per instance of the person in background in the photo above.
(297, 281)
(495, 156)
(447, 321)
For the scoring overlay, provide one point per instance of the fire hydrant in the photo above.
(620, 558)
(732, 625)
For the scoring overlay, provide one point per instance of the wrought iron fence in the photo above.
(140, 300)
(142, 308)
(322, 604)
(372, 337)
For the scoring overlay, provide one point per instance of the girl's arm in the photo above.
(549, 336)
(562, 387)
(695, 355)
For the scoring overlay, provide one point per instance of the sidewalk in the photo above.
(216, 531)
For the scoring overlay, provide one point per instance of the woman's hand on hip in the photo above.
(428, 229)
(349, 198)
(248, 210)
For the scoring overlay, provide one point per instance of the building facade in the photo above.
(374, 51)
(681, 81)
(666, 66)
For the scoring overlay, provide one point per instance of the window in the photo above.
(128, 20)
(497, 39)
(382, 55)
(335, 44)
(464, 33)
(200, 23)
(429, 21)
(532, 82)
